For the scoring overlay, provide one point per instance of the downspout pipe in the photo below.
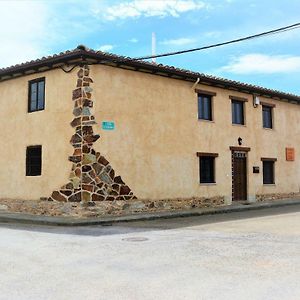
(195, 84)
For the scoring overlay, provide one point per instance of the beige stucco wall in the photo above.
(155, 141)
(48, 128)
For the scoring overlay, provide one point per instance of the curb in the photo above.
(19, 218)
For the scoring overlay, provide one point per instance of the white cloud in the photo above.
(133, 40)
(149, 8)
(212, 34)
(22, 28)
(178, 42)
(106, 48)
(263, 64)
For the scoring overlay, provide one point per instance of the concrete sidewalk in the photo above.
(19, 218)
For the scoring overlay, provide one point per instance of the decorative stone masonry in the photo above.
(92, 178)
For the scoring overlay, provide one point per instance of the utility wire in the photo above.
(250, 37)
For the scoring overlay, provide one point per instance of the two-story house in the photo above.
(170, 133)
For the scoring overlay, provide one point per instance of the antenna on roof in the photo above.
(153, 47)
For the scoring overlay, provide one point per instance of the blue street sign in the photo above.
(108, 125)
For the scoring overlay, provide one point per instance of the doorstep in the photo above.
(20, 218)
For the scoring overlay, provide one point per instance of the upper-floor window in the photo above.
(237, 110)
(36, 98)
(204, 107)
(267, 112)
(34, 161)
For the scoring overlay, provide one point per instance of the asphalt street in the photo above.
(241, 255)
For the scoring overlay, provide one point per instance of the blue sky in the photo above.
(32, 29)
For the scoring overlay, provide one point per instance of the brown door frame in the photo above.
(244, 150)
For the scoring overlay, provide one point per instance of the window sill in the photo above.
(208, 184)
(239, 125)
(269, 129)
(206, 121)
(32, 111)
(269, 184)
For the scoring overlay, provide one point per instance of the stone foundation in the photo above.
(270, 197)
(102, 208)
(171, 204)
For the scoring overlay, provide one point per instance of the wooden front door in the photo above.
(239, 175)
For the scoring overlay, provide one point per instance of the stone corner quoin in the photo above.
(92, 178)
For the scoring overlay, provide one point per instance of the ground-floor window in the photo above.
(268, 170)
(34, 161)
(207, 167)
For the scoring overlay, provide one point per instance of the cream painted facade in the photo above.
(157, 135)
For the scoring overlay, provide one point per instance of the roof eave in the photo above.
(79, 55)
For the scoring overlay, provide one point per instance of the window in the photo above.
(267, 116)
(34, 161)
(237, 108)
(36, 98)
(268, 170)
(207, 167)
(204, 107)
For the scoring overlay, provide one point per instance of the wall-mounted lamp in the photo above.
(256, 101)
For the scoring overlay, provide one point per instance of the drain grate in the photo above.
(135, 239)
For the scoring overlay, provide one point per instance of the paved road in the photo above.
(248, 255)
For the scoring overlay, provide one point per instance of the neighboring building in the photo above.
(169, 133)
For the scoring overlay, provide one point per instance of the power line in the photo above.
(250, 37)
